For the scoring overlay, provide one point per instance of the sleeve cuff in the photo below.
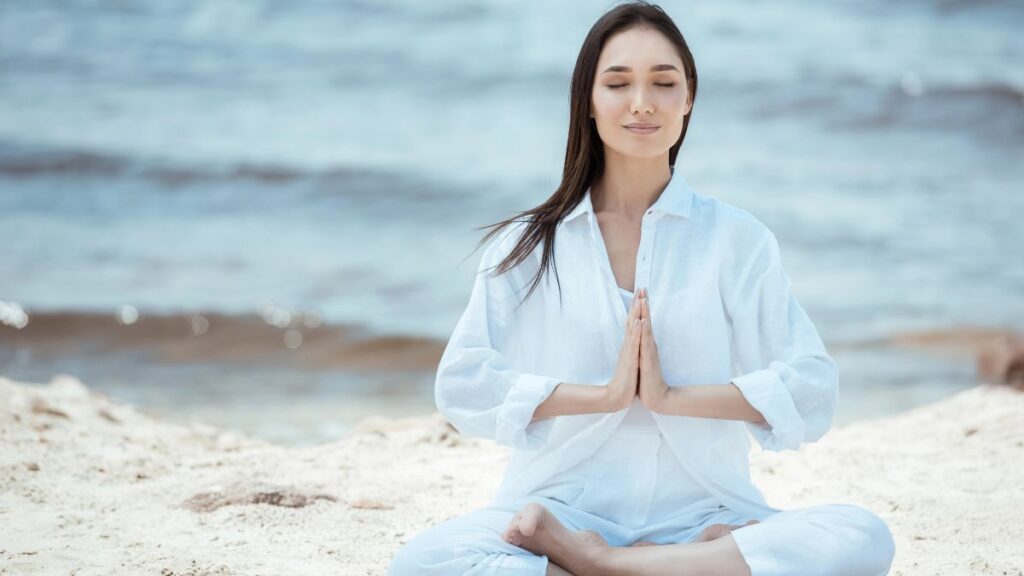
(766, 392)
(514, 427)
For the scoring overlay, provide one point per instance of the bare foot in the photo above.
(715, 531)
(536, 529)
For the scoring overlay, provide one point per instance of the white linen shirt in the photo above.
(721, 310)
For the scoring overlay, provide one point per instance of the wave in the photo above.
(300, 341)
(18, 161)
(994, 110)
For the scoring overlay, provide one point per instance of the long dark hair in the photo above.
(584, 152)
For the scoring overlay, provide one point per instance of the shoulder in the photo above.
(736, 231)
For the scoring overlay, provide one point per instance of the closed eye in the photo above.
(663, 85)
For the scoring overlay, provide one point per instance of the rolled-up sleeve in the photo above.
(476, 387)
(780, 362)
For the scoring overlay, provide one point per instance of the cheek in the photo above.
(607, 106)
(681, 103)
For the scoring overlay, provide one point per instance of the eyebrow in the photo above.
(655, 68)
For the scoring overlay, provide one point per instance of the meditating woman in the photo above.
(628, 381)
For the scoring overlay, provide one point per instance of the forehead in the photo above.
(639, 48)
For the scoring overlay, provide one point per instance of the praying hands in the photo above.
(639, 374)
(639, 371)
(652, 388)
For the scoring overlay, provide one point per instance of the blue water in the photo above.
(337, 156)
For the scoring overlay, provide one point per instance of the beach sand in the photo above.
(93, 486)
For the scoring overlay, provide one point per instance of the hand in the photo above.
(623, 386)
(652, 387)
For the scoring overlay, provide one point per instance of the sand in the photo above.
(89, 485)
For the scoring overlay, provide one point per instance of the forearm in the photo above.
(723, 401)
(570, 398)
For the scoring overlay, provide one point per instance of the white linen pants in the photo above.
(634, 489)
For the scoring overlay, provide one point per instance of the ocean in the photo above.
(262, 214)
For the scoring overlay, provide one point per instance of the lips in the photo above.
(641, 128)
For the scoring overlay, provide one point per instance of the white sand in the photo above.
(91, 486)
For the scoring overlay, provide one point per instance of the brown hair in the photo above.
(584, 153)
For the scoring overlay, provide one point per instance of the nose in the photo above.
(641, 101)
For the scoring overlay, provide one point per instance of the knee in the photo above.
(414, 557)
(874, 548)
(453, 547)
(406, 560)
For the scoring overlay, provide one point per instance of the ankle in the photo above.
(596, 559)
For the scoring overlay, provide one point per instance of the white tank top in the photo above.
(638, 415)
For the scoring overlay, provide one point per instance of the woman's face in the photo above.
(639, 80)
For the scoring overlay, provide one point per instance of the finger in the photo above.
(633, 314)
(643, 341)
(648, 336)
(637, 341)
(644, 338)
(635, 344)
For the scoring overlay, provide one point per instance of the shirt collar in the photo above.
(676, 198)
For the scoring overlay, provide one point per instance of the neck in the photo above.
(630, 185)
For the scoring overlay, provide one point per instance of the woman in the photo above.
(626, 387)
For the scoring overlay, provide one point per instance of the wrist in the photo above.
(612, 400)
(655, 399)
(674, 401)
(663, 400)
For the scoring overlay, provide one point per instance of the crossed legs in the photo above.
(829, 539)
(535, 529)
(527, 538)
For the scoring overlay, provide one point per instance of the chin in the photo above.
(650, 150)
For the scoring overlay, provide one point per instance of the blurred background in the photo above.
(262, 214)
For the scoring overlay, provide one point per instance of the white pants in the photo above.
(633, 489)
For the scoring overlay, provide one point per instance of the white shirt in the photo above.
(721, 310)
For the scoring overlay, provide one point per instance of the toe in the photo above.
(591, 537)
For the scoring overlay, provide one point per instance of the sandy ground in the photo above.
(93, 486)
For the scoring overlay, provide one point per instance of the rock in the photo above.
(241, 493)
(367, 504)
(106, 415)
(1002, 361)
(39, 406)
